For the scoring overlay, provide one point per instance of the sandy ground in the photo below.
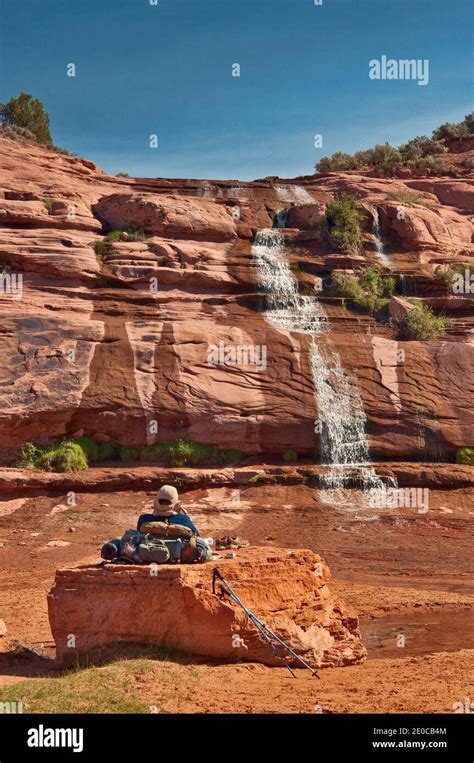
(404, 573)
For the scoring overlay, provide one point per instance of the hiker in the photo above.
(167, 535)
(168, 509)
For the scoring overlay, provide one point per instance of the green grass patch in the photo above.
(103, 249)
(112, 678)
(78, 454)
(133, 232)
(48, 203)
(98, 451)
(465, 456)
(290, 455)
(112, 688)
(367, 289)
(65, 456)
(257, 477)
(182, 452)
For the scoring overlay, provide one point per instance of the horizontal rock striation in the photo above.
(105, 339)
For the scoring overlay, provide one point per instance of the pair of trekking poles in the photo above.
(269, 635)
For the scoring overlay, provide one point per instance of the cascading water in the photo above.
(295, 193)
(343, 445)
(379, 245)
(286, 308)
(207, 191)
(239, 192)
(281, 218)
(407, 287)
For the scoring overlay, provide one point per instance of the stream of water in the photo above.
(281, 218)
(295, 193)
(379, 245)
(343, 441)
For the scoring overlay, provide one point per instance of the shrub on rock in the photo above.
(465, 456)
(422, 324)
(343, 218)
(28, 113)
(366, 289)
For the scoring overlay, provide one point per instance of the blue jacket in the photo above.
(177, 519)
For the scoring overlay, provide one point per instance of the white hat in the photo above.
(166, 493)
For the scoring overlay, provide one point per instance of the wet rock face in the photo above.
(173, 606)
(106, 339)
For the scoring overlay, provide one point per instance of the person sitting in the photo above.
(168, 509)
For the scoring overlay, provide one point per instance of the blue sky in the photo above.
(167, 70)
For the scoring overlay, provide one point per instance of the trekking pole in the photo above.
(264, 628)
(261, 627)
(251, 616)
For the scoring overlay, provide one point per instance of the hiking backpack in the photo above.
(166, 530)
(137, 548)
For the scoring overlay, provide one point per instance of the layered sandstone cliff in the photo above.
(103, 343)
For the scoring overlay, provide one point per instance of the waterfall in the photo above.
(281, 218)
(407, 288)
(286, 308)
(343, 442)
(239, 192)
(294, 193)
(379, 245)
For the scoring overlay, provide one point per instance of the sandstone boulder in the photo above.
(305, 216)
(399, 308)
(420, 227)
(174, 606)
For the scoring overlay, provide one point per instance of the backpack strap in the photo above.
(189, 553)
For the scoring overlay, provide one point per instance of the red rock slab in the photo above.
(455, 193)
(174, 606)
(200, 219)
